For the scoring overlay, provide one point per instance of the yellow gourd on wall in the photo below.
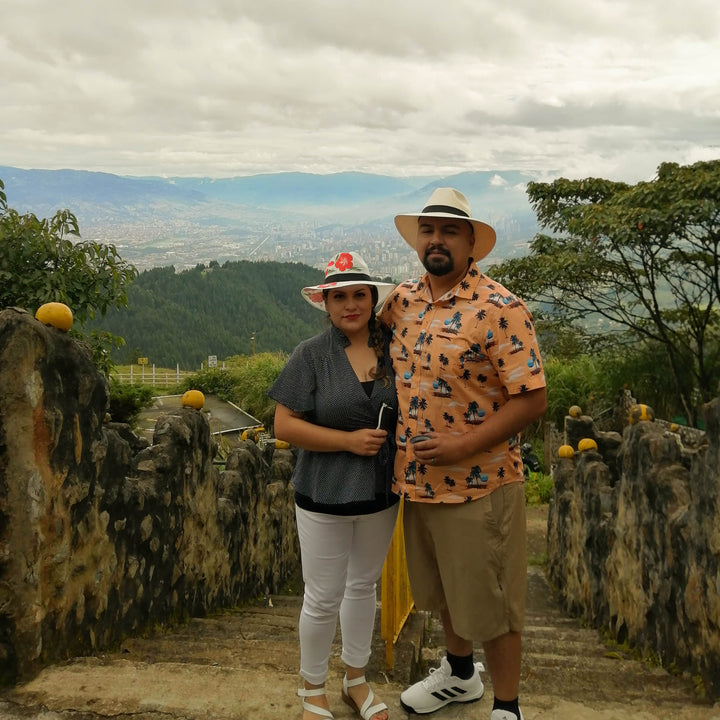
(587, 444)
(193, 398)
(56, 314)
(575, 411)
(640, 413)
(566, 451)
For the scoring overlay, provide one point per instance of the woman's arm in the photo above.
(293, 428)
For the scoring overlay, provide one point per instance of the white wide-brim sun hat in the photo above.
(346, 268)
(449, 203)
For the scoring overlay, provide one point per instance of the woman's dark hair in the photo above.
(377, 338)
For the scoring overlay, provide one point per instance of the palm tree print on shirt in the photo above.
(474, 415)
(410, 472)
(477, 478)
(419, 343)
(441, 388)
(413, 407)
(533, 363)
(454, 323)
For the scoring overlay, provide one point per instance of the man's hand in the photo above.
(442, 448)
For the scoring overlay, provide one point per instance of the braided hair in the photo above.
(377, 341)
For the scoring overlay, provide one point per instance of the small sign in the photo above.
(212, 361)
(142, 361)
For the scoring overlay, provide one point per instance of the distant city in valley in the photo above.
(184, 246)
(286, 217)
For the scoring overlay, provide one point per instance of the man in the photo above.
(469, 379)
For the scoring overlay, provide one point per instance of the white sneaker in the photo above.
(441, 688)
(505, 715)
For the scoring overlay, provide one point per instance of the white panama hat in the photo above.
(449, 203)
(346, 268)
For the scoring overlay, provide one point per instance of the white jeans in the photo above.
(342, 559)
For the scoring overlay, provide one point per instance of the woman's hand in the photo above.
(292, 427)
(367, 441)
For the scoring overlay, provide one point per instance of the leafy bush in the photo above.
(128, 401)
(579, 381)
(245, 382)
(213, 381)
(595, 381)
(255, 374)
(44, 260)
(538, 488)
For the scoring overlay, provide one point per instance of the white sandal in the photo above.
(321, 711)
(368, 709)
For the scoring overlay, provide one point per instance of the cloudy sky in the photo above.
(399, 87)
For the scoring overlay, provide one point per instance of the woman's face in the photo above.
(350, 308)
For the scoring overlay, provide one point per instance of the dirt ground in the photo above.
(242, 665)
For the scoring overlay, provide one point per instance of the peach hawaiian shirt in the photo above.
(456, 361)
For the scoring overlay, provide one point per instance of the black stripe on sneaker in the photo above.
(448, 693)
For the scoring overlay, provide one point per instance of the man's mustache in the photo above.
(438, 249)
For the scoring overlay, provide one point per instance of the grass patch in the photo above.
(539, 560)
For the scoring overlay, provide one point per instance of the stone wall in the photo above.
(103, 535)
(634, 539)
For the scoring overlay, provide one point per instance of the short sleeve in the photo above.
(295, 386)
(516, 354)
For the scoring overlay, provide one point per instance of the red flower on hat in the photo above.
(316, 297)
(344, 261)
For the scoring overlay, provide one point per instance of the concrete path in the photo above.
(242, 665)
(225, 418)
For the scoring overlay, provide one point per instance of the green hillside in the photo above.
(214, 310)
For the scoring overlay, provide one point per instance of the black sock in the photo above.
(509, 705)
(463, 666)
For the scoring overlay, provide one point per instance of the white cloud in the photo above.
(606, 88)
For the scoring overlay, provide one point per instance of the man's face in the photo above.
(444, 244)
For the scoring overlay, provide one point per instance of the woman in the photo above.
(336, 402)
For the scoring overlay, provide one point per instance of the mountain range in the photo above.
(158, 221)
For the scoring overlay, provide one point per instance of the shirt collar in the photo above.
(464, 289)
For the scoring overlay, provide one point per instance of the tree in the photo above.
(40, 263)
(635, 259)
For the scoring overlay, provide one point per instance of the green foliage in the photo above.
(594, 381)
(255, 375)
(213, 381)
(39, 263)
(245, 382)
(101, 344)
(538, 488)
(640, 259)
(215, 310)
(128, 401)
(576, 381)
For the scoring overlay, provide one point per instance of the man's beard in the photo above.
(438, 266)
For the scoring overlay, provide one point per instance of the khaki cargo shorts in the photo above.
(471, 559)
